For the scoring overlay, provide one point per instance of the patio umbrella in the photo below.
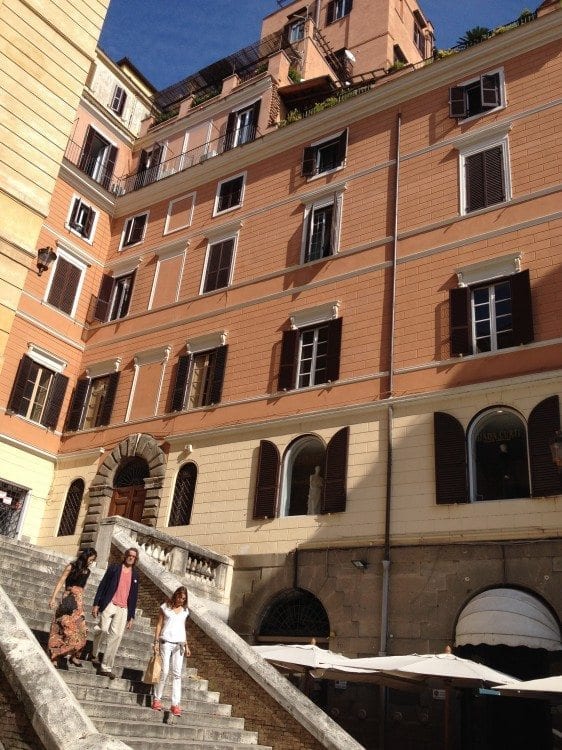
(545, 687)
(308, 657)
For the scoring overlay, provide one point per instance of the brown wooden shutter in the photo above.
(230, 131)
(101, 311)
(265, 496)
(334, 495)
(88, 223)
(85, 158)
(104, 417)
(289, 349)
(493, 175)
(217, 378)
(55, 398)
(543, 424)
(75, 416)
(331, 12)
(26, 369)
(521, 308)
(64, 286)
(109, 166)
(450, 460)
(255, 118)
(457, 102)
(460, 321)
(334, 349)
(308, 168)
(474, 175)
(182, 373)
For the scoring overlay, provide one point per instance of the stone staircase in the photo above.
(121, 708)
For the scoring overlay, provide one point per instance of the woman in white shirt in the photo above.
(170, 639)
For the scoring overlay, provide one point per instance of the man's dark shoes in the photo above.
(96, 663)
(103, 673)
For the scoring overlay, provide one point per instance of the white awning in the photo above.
(507, 617)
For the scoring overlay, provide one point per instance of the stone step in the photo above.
(169, 744)
(145, 715)
(180, 730)
(86, 682)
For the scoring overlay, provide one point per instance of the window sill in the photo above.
(491, 207)
(227, 210)
(484, 113)
(89, 240)
(316, 176)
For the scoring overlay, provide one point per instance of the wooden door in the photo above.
(128, 502)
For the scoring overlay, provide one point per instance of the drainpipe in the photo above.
(390, 413)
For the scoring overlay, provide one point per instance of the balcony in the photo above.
(98, 165)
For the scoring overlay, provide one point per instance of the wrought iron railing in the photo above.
(187, 159)
(92, 165)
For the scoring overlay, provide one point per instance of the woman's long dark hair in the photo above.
(174, 600)
(80, 565)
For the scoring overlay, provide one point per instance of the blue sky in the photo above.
(170, 39)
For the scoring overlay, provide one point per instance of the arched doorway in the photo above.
(515, 632)
(294, 616)
(129, 492)
(137, 460)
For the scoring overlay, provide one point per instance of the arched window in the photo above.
(184, 492)
(71, 509)
(295, 615)
(131, 473)
(499, 465)
(302, 479)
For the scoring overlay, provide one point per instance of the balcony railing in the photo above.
(93, 165)
(187, 159)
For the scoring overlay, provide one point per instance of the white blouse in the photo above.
(173, 629)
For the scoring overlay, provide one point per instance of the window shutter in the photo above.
(490, 91)
(457, 102)
(544, 422)
(109, 166)
(64, 286)
(55, 398)
(230, 131)
(137, 229)
(289, 348)
(255, 118)
(121, 99)
(75, 416)
(86, 149)
(331, 12)
(493, 176)
(265, 496)
(521, 308)
(308, 161)
(450, 460)
(25, 369)
(335, 473)
(342, 146)
(182, 374)
(336, 222)
(349, 6)
(101, 311)
(217, 379)
(88, 223)
(474, 174)
(108, 401)
(460, 320)
(334, 349)
(73, 221)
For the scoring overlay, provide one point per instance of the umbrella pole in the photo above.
(447, 719)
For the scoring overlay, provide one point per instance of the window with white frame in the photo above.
(242, 126)
(118, 100)
(338, 9)
(219, 265)
(321, 233)
(491, 309)
(477, 96)
(65, 282)
(82, 219)
(485, 177)
(230, 194)
(39, 388)
(199, 375)
(324, 156)
(295, 31)
(134, 230)
(93, 399)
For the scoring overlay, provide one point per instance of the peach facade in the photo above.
(407, 252)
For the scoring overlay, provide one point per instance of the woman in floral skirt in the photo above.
(68, 630)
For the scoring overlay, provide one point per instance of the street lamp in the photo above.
(45, 256)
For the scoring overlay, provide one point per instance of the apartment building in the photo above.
(306, 314)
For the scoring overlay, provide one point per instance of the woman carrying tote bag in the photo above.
(170, 640)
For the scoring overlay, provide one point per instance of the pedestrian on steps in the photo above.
(69, 632)
(116, 602)
(170, 640)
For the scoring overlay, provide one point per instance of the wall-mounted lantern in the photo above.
(45, 256)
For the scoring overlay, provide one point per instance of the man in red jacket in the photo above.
(116, 601)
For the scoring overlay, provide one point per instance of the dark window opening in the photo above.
(71, 509)
(184, 492)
